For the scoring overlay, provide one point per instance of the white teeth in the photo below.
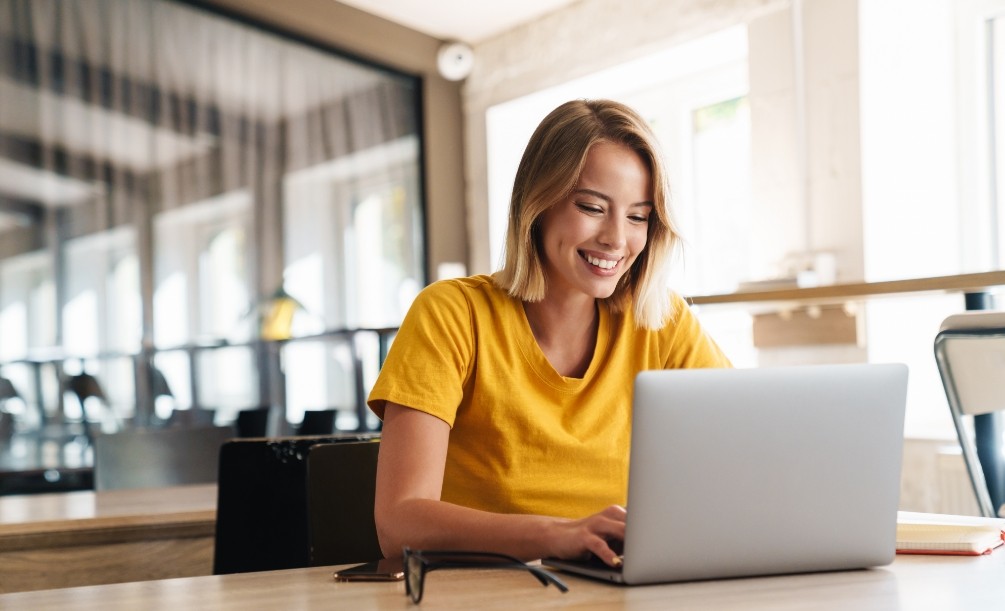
(601, 263)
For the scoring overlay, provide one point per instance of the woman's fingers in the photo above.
(601, 529)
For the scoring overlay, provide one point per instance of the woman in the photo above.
(506, 399)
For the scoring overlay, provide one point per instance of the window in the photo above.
(102, 315)
(995, 40)
(353, 237)
(27, 305)
(353, 252)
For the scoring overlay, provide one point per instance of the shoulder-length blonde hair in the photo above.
(549, 171)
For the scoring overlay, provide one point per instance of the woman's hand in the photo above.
(592, 534)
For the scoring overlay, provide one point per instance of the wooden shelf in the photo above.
(962, 283)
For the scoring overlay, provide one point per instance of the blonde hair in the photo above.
(549, 171)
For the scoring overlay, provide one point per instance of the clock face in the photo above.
(455, 61)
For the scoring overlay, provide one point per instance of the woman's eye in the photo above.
(589, 208)
(638, 218)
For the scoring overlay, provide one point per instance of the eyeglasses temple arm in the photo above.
(545, 578)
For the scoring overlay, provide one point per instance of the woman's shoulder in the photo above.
(472, 293)
(479, 287)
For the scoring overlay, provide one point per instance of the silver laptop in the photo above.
(742, 472)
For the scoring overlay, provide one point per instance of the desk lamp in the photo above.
(159, 388)
(158, 384)
(7, 391)
(84, 386)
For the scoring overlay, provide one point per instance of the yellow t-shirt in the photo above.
(525, 439)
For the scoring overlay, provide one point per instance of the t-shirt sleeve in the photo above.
(431, 356)
(690, 346)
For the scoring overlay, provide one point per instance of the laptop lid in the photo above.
(740, 472)
(341, 484)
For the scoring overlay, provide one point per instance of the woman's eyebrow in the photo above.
(608, 199)
(596, 194)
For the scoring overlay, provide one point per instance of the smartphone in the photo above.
(386, 569)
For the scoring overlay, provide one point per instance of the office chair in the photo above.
(970, 353)
(192, 417)
(154, 458)
(317, 422)
(253, 422)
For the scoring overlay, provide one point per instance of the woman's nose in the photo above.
(613, 233)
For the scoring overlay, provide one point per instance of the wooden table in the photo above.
(80, 538)
(911, 582)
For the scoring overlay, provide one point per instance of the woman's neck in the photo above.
(566, 332)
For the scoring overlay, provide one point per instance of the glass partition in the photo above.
(169, 176)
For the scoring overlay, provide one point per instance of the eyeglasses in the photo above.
(419, 562)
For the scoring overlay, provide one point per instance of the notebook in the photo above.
(743, 472)
(941, 534)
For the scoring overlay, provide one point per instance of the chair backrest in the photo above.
(192, 417)
(970, 347)
(341, 482)
(253, 422)
(318, 422)
(970, 354)
(153, 458)
(261, 512)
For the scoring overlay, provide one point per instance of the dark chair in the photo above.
(262, 510)
(341, 483)
(317, 422)
(253, 422)
(154, 458)
(193, 417)
(969, 351)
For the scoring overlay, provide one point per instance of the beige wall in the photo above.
(807, 178)
(382, 41)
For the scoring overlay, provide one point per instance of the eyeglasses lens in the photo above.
(414, 576)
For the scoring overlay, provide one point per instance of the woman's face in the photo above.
(591, 239)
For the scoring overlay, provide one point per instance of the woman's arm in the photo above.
(408, 509)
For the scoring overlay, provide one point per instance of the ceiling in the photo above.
(463, 20)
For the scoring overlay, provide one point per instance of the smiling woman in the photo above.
(506, 422)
